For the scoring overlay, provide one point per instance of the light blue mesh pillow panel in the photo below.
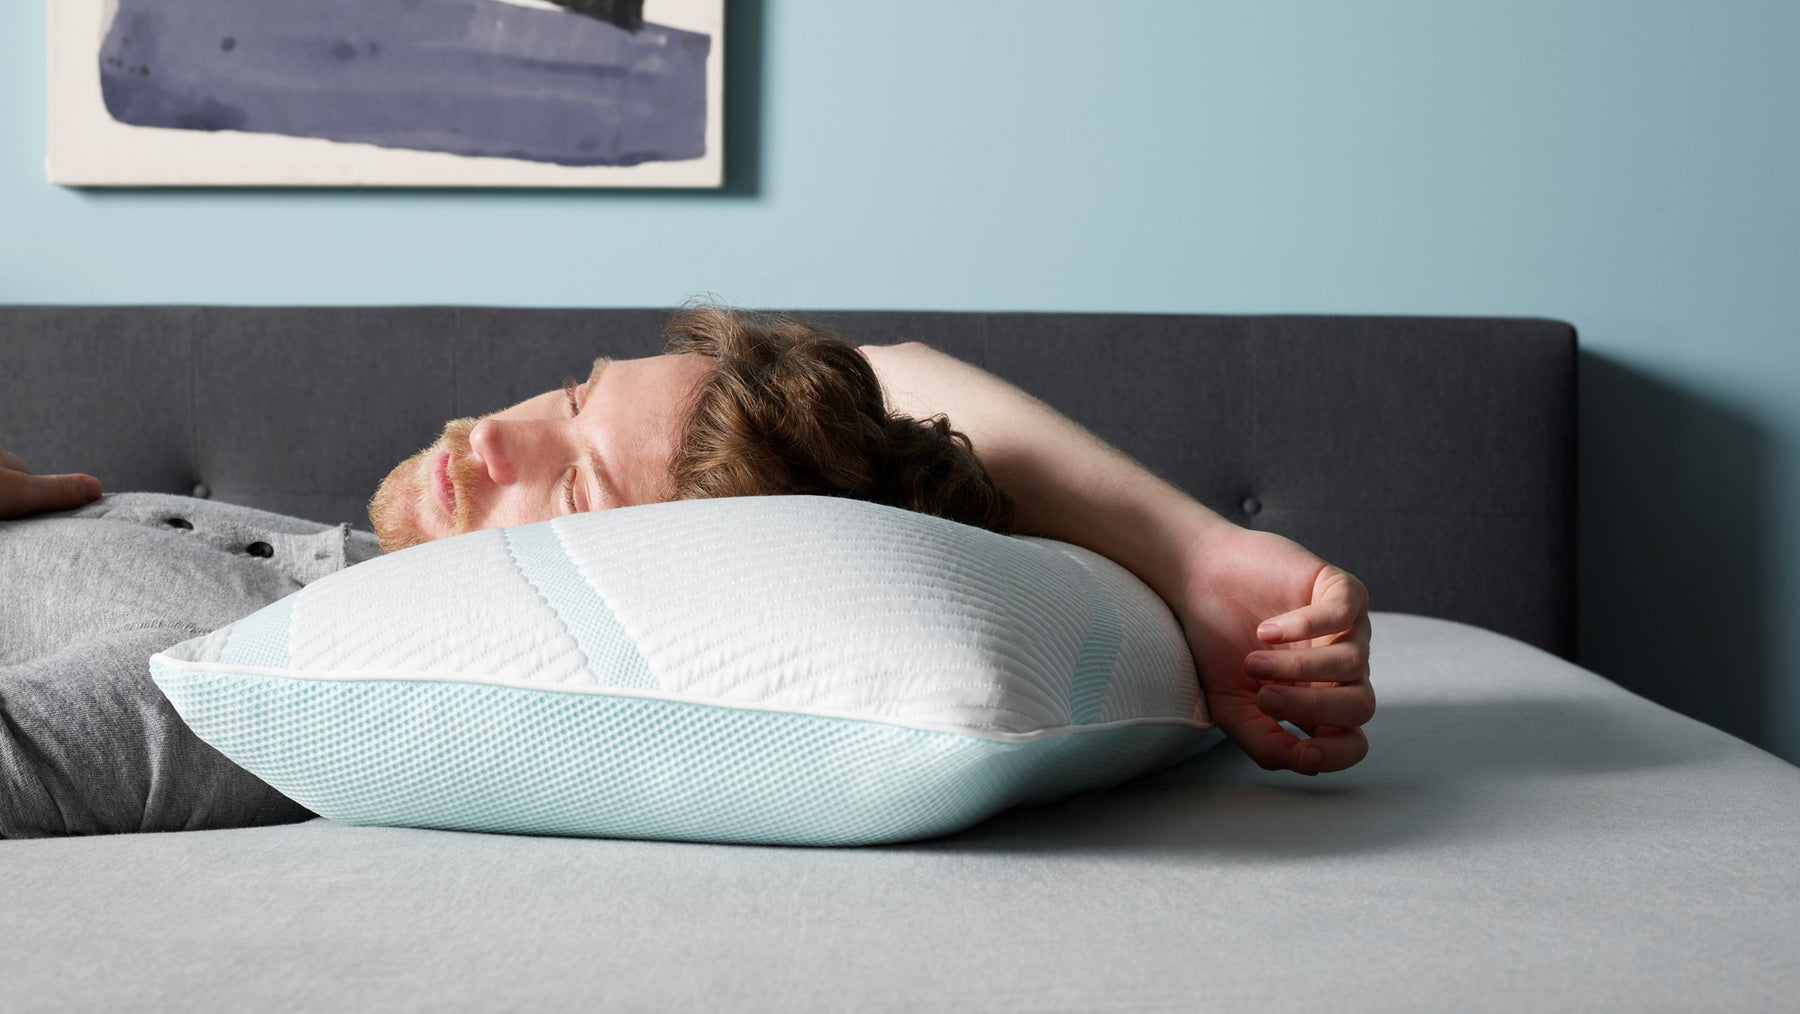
(260, 639)
(420, 753)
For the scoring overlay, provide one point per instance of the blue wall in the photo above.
(1629, 166)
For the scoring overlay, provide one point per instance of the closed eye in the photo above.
(575, 397)
(570, 391)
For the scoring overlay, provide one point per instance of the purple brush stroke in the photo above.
(469, 77)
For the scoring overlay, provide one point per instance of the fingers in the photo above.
(1274, 748)
(11, 460)
(1313, 674)
(1344, 708)
(24, 494)
(1339, 602)
(1324, 690)
(65, 492)
(1345, 661)
(1343, 657)
(1329, 752)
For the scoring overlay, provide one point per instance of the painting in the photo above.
(533, 93)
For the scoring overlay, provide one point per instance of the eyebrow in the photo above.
(593, 377)
(596, 467)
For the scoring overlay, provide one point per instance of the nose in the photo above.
(511, 449)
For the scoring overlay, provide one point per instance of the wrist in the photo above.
(1171, 534)
(1145, 525)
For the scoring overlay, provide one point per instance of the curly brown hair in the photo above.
(794, 408)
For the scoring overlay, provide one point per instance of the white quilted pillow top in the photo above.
(769, 669)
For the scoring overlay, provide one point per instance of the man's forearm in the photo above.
(1070, 485)
(1239, 594)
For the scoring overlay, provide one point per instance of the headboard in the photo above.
(1432, 457)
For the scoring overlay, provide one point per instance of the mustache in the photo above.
(391, 521)
(464, 471)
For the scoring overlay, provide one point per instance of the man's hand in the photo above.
(23, 493)
(1279, 634)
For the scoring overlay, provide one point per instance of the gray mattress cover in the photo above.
(1524, 835)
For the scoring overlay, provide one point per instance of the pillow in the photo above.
(785, 670)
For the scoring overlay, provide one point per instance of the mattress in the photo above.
(1523, 834)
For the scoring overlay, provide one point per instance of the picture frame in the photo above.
(386, 93)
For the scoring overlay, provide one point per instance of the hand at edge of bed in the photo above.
(1279, 635)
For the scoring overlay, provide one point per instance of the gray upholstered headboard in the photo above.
(1433, 458)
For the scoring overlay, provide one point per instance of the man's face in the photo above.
(605, 442)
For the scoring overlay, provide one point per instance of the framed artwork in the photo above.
(416, 93)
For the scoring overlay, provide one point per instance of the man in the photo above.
(739, 406)
(743, 405)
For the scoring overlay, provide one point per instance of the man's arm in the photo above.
(89, 745)
(1278, 633)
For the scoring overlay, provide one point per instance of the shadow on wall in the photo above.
(1675, 540)
(743, 98)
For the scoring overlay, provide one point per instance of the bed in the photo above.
(1524, 833)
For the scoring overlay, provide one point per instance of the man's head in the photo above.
(739, 406)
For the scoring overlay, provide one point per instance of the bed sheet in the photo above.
(1523, 834)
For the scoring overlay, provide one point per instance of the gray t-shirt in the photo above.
(88, 744)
